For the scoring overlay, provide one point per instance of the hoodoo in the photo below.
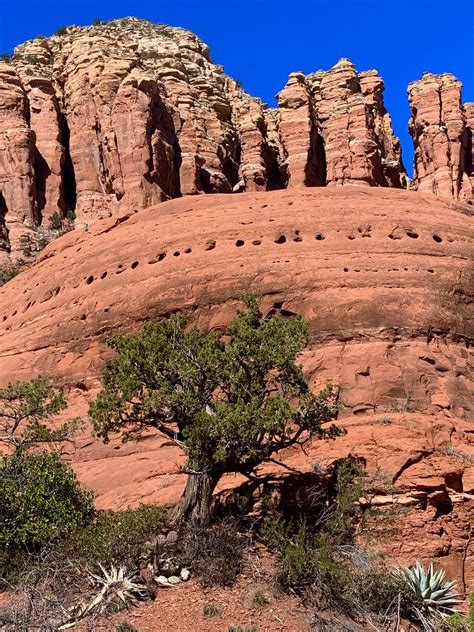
(125, 114)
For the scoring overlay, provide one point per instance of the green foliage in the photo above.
(230, 403)
(24, 407)
(6, 57)
(55, 221)
(259, 599)
(457, 623)
(114, 537)
(9, 273)
(96, 22)
(318, 556)
(30, 59)
(40, 500)
(70, 216)
(430, 589)
(471, 612)
(62, 30)
(242, 628)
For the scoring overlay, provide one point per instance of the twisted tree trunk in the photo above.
(196, 501)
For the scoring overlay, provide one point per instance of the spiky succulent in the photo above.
(430, 588)
(116, 588)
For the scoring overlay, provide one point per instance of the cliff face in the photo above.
(124, 115)
(127, 114)
(384, 279)
(335, 130)
(441, 127)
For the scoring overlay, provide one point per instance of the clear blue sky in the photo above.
(261, 41)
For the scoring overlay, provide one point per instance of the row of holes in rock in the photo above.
(280, 239)
(211, 244)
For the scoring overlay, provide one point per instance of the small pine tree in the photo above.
(24, 409)
(55, 221)
(230, 402)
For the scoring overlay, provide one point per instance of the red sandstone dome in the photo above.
(110, 120)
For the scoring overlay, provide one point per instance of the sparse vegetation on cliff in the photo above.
(9, 272)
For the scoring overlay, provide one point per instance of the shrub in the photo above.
(6, 57)
(259, 599)
(210, 610)
(62, 30)
(55, 221)
(125, 626)
(457, 623)
(9, 273)
(70, 216)
(214, 553)
(96, 22)
(40, 501)
(31, 59)
(114, 537)
(24, 407)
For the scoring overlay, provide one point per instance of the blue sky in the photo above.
(261, 41)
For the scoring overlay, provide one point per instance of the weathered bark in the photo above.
(195, 503)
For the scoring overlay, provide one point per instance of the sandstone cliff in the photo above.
(126, 114)
(384, 278)
(335, 130)
(441, 127)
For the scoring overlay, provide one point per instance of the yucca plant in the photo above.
(430, 589)
(117, 589)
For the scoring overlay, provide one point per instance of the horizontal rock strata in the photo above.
(385, 280)
(441, 127)
(125, 114)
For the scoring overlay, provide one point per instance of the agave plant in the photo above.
(430, 588)
(116, 588)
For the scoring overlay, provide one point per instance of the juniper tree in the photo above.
(25, 407)
(229, 401)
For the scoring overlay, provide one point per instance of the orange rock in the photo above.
(442, 132)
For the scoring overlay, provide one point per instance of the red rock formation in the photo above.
(359, 142)
(443, 149)
(387, 291)
(17, 142)
(127, 114)
(335, 130)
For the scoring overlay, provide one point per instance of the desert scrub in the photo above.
(114, 537)
(8, 273)
(259, 599)
(215, 554)
(210, 610)
(40, 502)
